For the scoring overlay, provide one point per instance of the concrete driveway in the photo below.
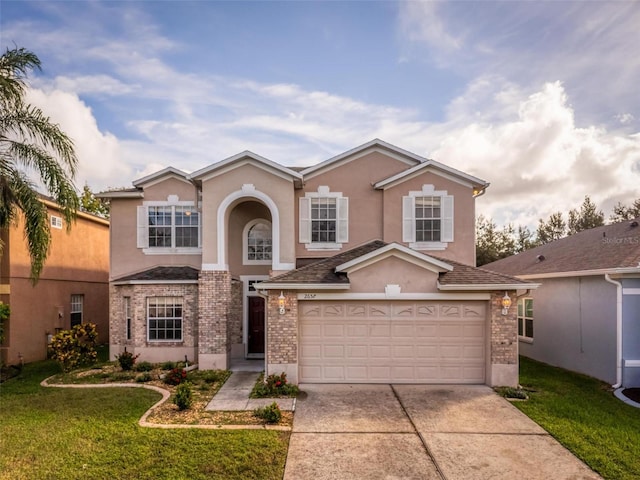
(420, 432)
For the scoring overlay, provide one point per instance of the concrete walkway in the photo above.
(420, 432)
(234, 395)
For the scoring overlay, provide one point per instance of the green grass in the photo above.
(582, 414)
(54, 433)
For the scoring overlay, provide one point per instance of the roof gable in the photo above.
(394, 250)
(244, 158)
(597, 250)
(169, 172)
(376, 145)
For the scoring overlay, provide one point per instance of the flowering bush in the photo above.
(270, 413)
(176, 376)
(274, 386)
(127, 360)
(75, 347)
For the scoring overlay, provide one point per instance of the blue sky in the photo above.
(538, 98)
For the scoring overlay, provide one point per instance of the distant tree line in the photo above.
(493, 243)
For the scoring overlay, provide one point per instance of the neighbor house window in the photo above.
(164, 319)
(56, 222)
(427, 219)
(257, 243)
(324, 219)
(525, 318)
(168, 228)
(77, 302)
(127, 316)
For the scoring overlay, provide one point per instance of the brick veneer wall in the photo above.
(214, 300)
(235, 312)
(282, 330)
(139, 295)
(504, 330)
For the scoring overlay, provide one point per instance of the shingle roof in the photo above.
(162, 274)
(323, 271)
(608, 247)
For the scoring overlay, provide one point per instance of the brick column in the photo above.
(214, 297)
(282, 335)
(503, 370)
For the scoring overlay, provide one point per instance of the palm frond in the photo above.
(15, 65)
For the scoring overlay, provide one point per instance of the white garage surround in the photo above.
(393, 341)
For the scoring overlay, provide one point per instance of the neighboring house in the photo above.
(73, 287)
(352, 270)
(586, 314)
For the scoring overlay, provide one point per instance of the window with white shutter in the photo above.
(427, 219)
(168, 227)
(324, 220)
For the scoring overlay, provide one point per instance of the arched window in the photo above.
(257, 242)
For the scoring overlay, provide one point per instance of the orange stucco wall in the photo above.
(78, 264)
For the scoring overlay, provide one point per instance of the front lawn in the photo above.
(582, 414)
(93, 434)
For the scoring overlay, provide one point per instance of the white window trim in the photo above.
(245, 243)
(523, 337)
(143, 227)
(56, 222)
(149, 340)
(128, 321)
(342, 221)
(408, 235)
(80, 304)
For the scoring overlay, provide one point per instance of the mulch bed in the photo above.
(632, 394)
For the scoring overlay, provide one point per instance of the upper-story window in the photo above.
(324, 219)
(168, 227)
(56, 222)
(256, 242)
(427, 217)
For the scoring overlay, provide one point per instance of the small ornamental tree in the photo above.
(76, 347)
(4, 314)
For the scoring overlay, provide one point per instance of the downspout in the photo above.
(618, 285)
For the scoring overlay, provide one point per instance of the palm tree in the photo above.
(31, 146)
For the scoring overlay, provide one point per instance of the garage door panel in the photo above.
(402, 342)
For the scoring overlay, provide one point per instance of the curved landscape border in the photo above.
(165, 396)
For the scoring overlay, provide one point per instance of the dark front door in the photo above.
(256, 326)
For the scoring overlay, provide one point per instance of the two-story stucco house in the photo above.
(357, 269)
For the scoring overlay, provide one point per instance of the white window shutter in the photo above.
(447, 218)
(408, 220)
(342, 235)
(143, 227)
(305, 220)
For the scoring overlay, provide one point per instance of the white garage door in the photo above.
(399, 342)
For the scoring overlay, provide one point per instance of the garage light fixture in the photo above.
(281, 304)
(506, 303)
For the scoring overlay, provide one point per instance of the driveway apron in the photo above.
(420, 432)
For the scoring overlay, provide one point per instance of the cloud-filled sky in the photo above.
(539, 98)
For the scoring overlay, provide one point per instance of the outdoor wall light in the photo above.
(281, 304)
(506, 303)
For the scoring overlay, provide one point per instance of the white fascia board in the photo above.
(159, 176)
(302, 286)
(401, 296)
(438, 169)
(408, 254)
(219, 168)
(489, 286)
(362, 150)
(154, 282)
(582, 273)
(120, 194)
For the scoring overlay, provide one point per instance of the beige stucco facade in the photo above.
(371, 185)
(78, 265)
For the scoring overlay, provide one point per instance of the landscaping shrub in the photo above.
(270, 413)
(168, 365)
(144, 377)
(213, 376)
(510, 392)
(75, 347)
(176, 376)
(143, 367)
(4, 314)
(274, 386)
(183, 398)
(127, 360)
